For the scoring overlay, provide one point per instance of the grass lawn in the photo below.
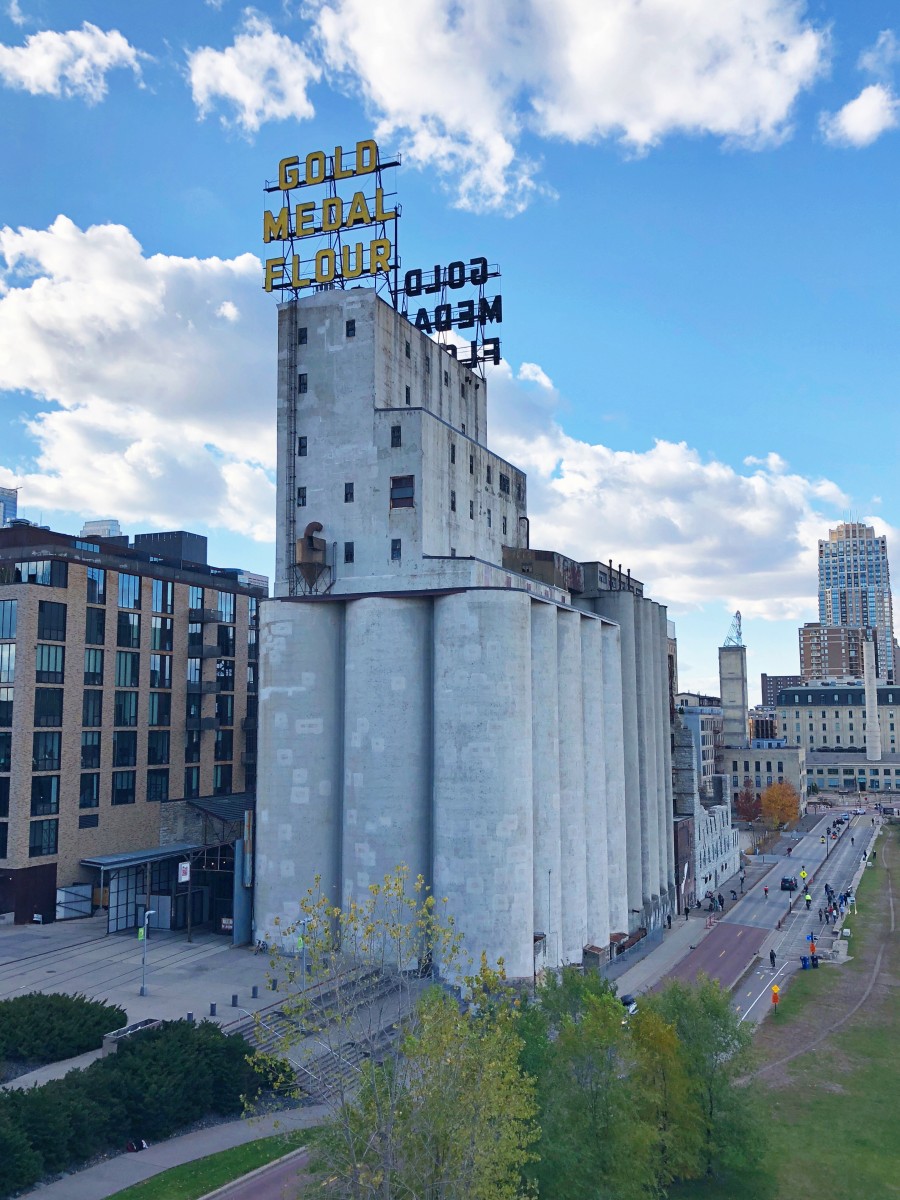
(195, 1179)
(830, 1113)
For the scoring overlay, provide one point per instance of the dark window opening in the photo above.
(350, 329)
(453, 501)
(407, 350)
(301, 497)
(302, 383)
(301, 447)
(396, 435)
(408, 396)
(348, 493)
(395, 549)
(403, 489)
(348, 552)
(301, 336)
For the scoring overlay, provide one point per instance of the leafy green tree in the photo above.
(715, 1049)
(446, 1111)
(594, 1141)
(663, 1097)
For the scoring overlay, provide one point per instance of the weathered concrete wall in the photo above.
(614, 771)
(596, 836)
(387, 741)
(547, 864)
(483, 821)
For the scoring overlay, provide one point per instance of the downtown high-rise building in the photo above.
(855, 587)
(9, 498)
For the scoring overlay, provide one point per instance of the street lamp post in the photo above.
(147, 915)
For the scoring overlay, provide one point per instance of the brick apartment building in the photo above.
(128, 678)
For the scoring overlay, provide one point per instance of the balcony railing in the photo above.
(204, 615)
(206, 687)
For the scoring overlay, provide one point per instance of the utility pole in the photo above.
(142, 934)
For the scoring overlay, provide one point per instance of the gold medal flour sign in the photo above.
(333, 237)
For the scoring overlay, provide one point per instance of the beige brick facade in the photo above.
(218, 721)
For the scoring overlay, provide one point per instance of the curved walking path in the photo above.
(113, 1174)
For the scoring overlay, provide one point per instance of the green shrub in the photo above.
(159, 1081)
(47, 1028)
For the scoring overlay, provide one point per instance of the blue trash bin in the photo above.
(804, 961)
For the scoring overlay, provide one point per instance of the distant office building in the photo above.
(106, 528)
(831, 651)
(855, 587)
(9, 500)
(832, 717)
(771, 685)
(128, 691)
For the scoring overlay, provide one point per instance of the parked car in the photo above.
(845, 817)
(789, 883)
(860, 812)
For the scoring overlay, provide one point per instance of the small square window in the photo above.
(453, 501)
(407, 350)
(453, 552)
(490, 475)
(452, 452)
(504, 526)
(408, 396)
(464, 427)
(348, 552)
(471, 464)
(301, 336)
(348, 493)
(395, 549)
(471, 510)
(302, 384)
(350, 329)
(88, 821)
(301, 497)
(301, 447)
(396, 435)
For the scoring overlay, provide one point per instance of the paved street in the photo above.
(276, 1182)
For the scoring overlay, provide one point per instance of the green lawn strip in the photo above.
(829, 1135)
(195, 1179)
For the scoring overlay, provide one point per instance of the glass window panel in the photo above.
(158, 747)
(126, 704)
(8, 618)
(45, 751)
(51, 621)
(44, 795)
(123, 784)
(49, 664)
(96, 585)
(160, 709)
(93, 668)
(43, 838)
(129, 591)
(7, 662)
(6, 707)
(48, 707)
(128, 669)
(90, 750)
(124, 748)
(161, 633)
(89, 796)
(158, 786)
(95, 626)
(92, 708)
(128, 630)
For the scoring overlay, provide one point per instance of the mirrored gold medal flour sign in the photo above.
(336, 227)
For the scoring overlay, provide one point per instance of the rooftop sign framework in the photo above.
(321, 237)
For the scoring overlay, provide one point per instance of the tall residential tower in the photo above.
(855, 587)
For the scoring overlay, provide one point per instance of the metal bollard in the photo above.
(254, 991)
(212, 1008)
(234, 1000)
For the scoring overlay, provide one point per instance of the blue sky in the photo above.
(692, 203)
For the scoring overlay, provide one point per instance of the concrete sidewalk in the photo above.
(686, 934)
(114, 1174)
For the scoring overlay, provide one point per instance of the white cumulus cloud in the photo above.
(862, 121)
(229, 311)
(466, 89)
(694, 530)
(262, 76)
(880, 58)
(75, 63)
(149, 404)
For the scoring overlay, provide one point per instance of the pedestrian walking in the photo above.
(864, 856)
(808, 899)
(874, 855)
(669, 920)
(873, 821)
(766, 891)
(733, 894)
(841, 910)
(772, 958)
(721, 899)
(852, 841)
(821, 916)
